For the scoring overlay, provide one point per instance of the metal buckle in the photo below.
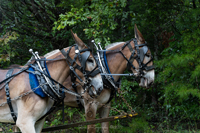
(71, 68)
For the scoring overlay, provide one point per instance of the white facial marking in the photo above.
(96, 81)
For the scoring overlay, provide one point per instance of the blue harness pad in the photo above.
(106, 62)
(34, 82)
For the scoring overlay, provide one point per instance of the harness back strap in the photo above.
(9, 73)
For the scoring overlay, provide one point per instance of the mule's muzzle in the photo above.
(95, 91)
(145, 82)
(96, 86)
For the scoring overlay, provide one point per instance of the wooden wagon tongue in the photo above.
(100, 120)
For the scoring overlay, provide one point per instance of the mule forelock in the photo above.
(113, 44)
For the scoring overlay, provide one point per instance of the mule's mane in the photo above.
(113, 44)
(51, 53)
(18, 66)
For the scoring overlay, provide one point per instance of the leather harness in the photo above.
(139, 57)
(54, 93)
(108, 80)
(9, 73)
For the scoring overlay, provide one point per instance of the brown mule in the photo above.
(32, 107)
(117, 64)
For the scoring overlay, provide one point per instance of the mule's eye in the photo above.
(90, 60)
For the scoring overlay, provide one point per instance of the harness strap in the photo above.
(78, 100)
(138, 52)
(147, 68)
(9, 73)
(73, 79)
(126, 44)
(72, 69)
(131, 59)
(22, 70)
(130, 47)
(70, 62)
(61, 86)
(127, 60)
(82, 58)
(94, 72)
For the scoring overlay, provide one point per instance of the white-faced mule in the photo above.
(133, 55)
(44, 77)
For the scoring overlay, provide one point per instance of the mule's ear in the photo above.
(138, 35)
(78, 41)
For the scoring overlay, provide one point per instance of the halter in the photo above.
(82, 58)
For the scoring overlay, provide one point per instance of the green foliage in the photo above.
(72, 115)
(171, 28)
(6, 51)
(179, 68)
(6, 127)
(98, 23)
(138, 125)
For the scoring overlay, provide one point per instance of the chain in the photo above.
(101, 104)
(22, 95)
(122, 97)
(16, 98)
(33, 90)
(114, 109)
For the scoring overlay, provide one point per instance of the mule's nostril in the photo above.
(100, 90)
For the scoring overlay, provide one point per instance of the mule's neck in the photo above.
(59, 70)
(116, 62)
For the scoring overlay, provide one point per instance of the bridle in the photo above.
(137, 54)
(139, 57)
(73, 65)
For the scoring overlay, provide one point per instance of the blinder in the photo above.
(143, 52)
(84, 58)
